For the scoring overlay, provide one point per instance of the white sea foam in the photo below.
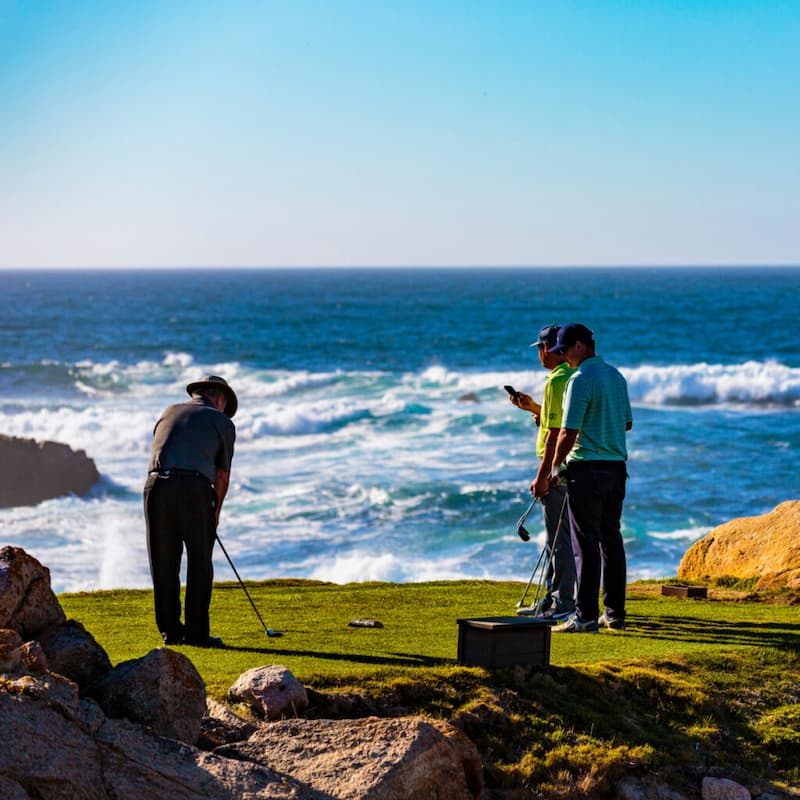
(354, 475)
(361, 566)
(751, 383)
(683, 535)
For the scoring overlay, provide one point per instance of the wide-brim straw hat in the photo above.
(215, 382)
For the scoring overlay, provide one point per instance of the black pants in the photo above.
(179, 511)
(595, 493)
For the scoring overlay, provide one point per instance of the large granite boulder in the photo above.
(766, 547)
(162, 690)
(27, 603)
(72, 651)
(382, 759)
(32, 471)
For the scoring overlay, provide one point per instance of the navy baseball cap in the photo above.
(547, 335)
(569, 334)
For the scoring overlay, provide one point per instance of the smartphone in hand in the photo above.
(512, 391)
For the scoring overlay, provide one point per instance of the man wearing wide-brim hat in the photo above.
(187, 481)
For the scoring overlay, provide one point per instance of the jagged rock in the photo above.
(382, 759)
(10, 637)
(137, 765)
(221, 725)
(11, 790)
(27, 603)
(766, 547)
(10, 656)
(723, 789)
(471, 759)
(72, 651)
(34, 659)
(162, 689)
(69, 751)
(272, 691)
(32, 471)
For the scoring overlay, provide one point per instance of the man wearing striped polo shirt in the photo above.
(591, 442)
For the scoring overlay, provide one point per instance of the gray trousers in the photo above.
(560, 575)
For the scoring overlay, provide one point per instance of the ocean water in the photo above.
(374, 439)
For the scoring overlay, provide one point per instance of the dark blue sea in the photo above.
(374, 438)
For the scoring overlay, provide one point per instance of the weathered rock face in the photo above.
(72, 752)
(27, 603)
(72, 651)
(162, 689)
(383, 759)
(765, 547)
(33, 471)
(221, 725)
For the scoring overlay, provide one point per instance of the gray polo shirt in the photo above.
(193, 436)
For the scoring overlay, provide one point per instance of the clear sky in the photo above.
(399, 132)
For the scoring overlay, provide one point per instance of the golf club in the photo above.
(271, 633)
(543, 562)
(521, 531)
(551, 551)
(521, 601)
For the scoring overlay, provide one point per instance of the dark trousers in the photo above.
(179, 511)
(595, 493)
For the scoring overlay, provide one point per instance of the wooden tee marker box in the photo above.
(699, 592)
(495, 642)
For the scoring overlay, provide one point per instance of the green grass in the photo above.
(690, 686)
(420, 628)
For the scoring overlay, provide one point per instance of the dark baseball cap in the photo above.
(547, 335)
(569, 334)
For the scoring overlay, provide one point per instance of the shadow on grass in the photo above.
(396, 660)
(740, 634)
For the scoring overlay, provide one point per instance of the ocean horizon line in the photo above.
(388, 267)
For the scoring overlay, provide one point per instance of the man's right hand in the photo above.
(540, 486)
(526, 403)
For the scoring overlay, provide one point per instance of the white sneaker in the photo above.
(611, 623)
(576, 625)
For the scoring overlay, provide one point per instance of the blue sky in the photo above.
(237, 133)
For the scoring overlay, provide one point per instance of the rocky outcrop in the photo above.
(766, 548)
(353, 759)
(27, 603)
(32, 471)
(73, 752)
(162, 690)
(87, 731)
(73, 652)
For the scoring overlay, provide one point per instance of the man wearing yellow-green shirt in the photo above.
(559, 600)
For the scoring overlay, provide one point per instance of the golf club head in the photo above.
(523, 534)
(273, 634)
